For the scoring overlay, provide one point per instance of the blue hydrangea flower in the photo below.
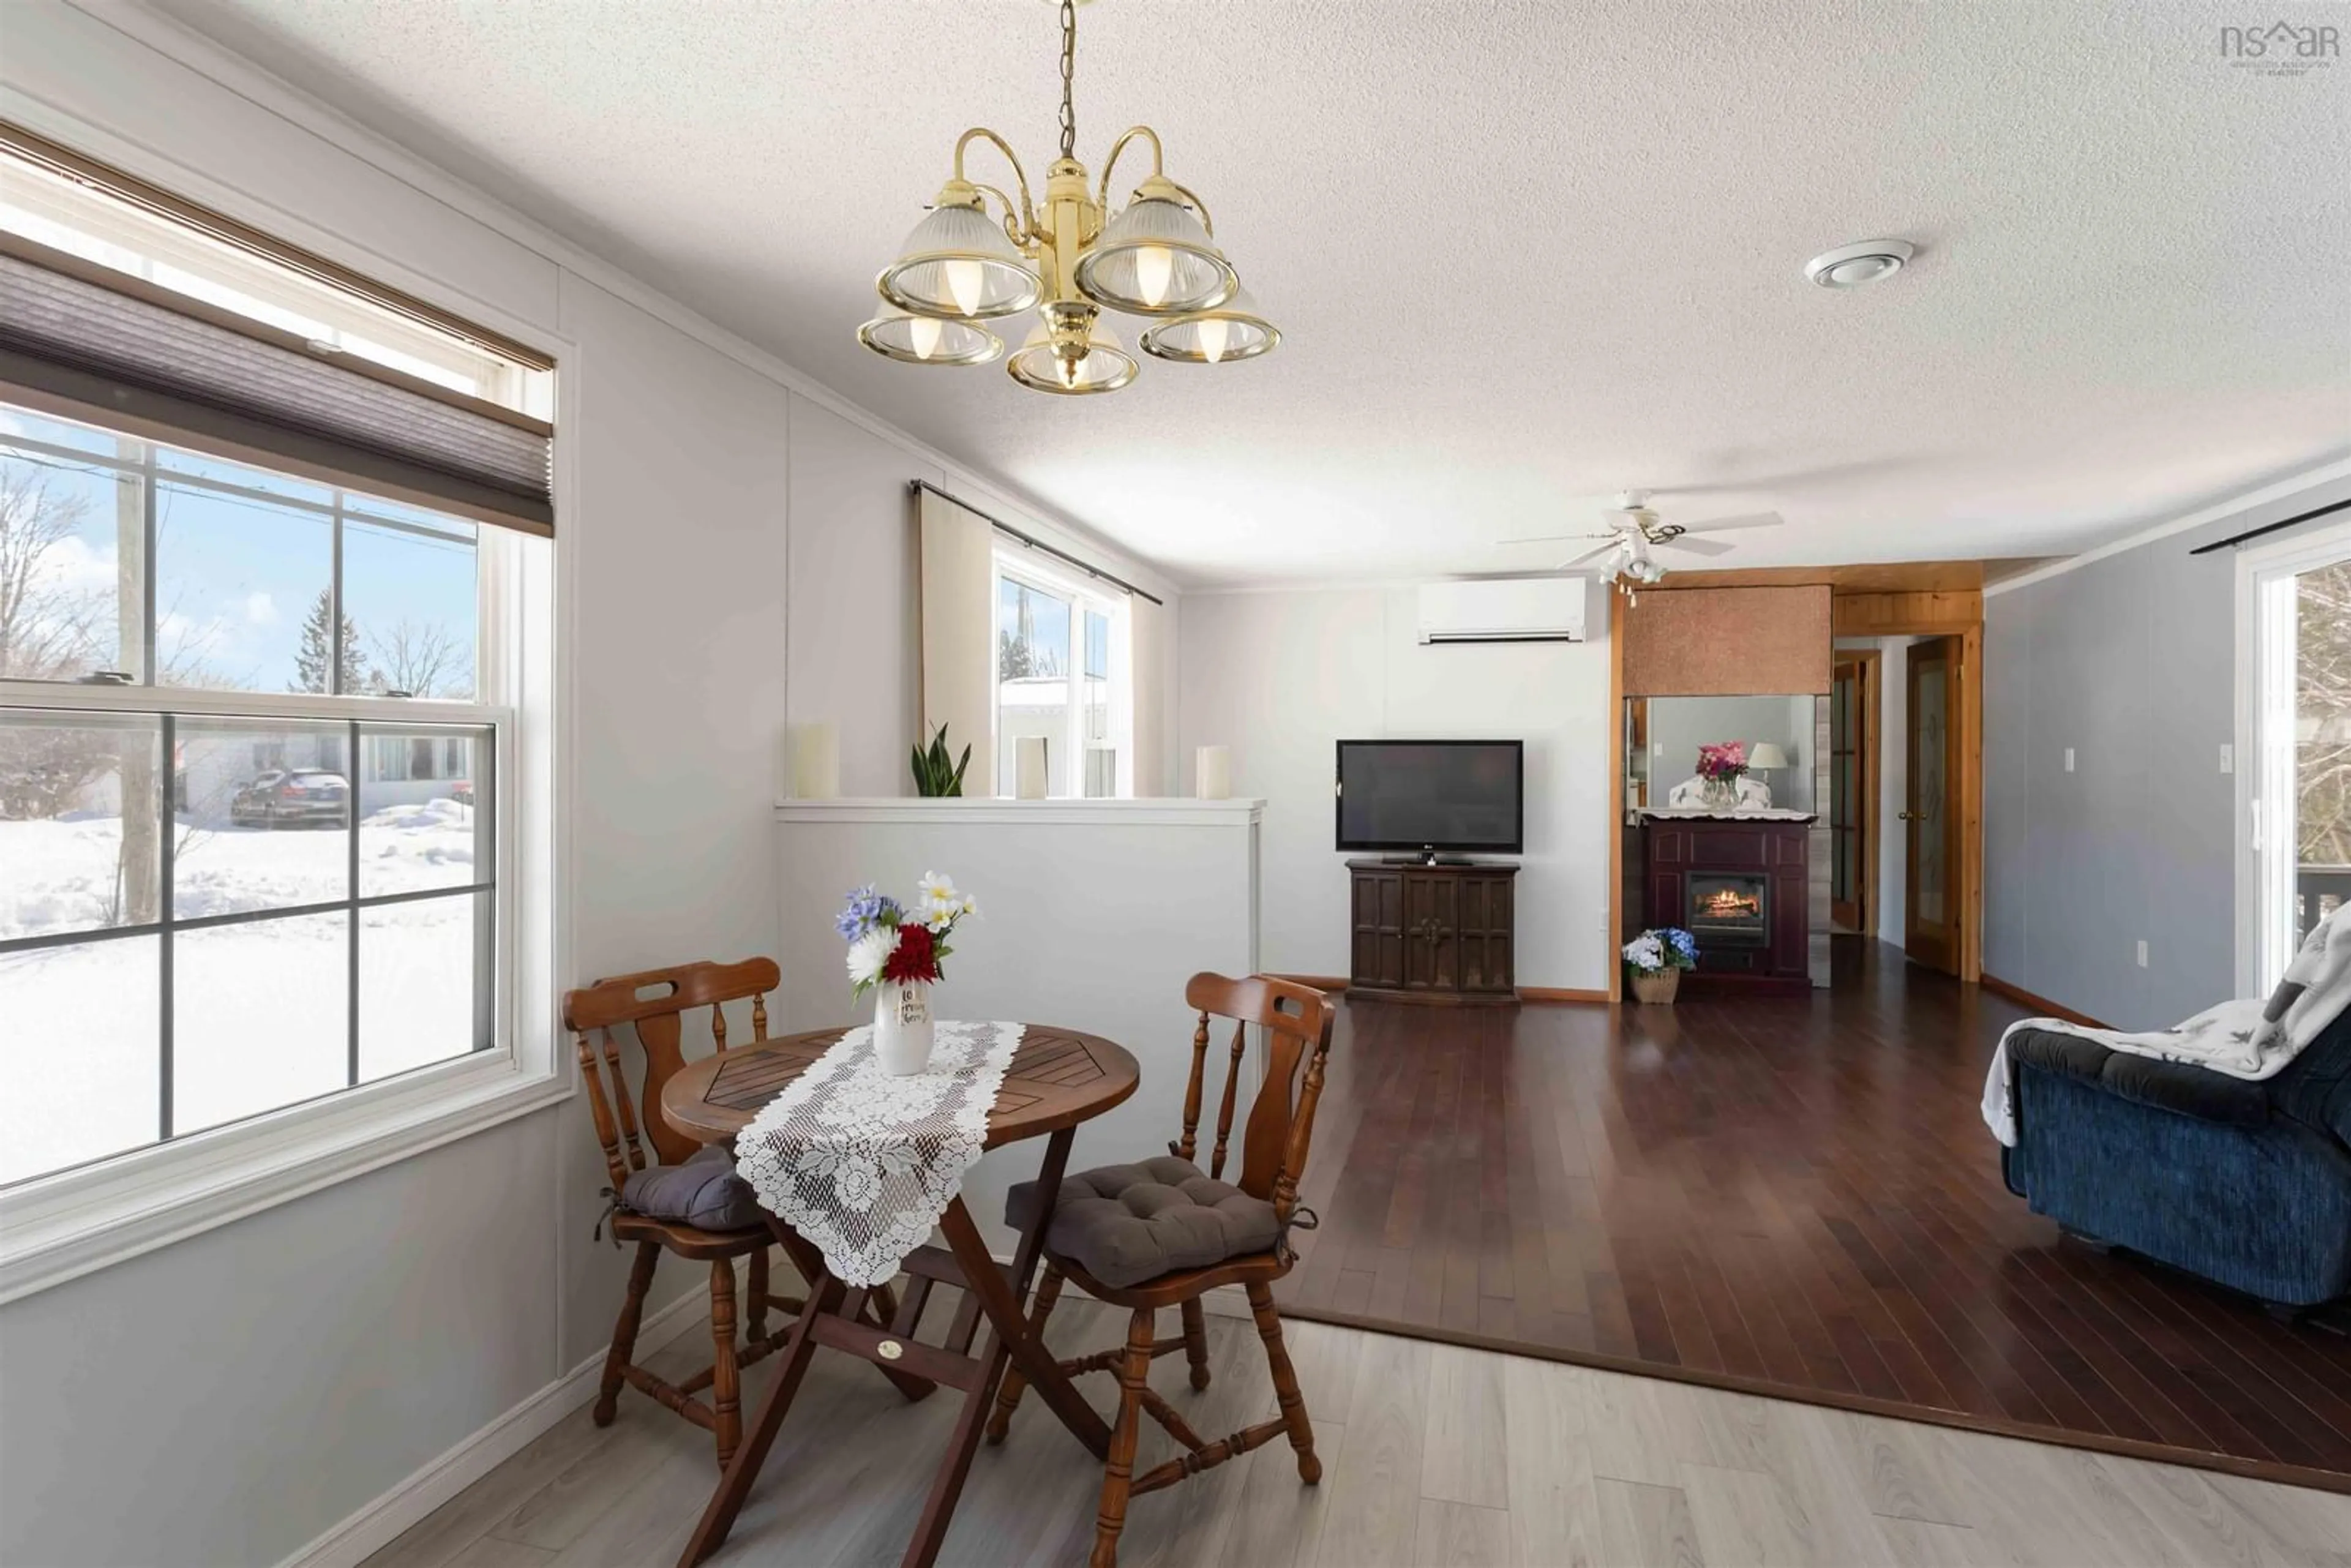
(1684, 943)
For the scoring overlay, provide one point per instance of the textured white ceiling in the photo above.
(1525, 254)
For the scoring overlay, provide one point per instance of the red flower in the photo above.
(914, 960)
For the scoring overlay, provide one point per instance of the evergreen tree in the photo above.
(310, 660)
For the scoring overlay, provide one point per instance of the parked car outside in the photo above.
(282, 796)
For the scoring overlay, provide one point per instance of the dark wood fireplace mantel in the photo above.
(1738, 884)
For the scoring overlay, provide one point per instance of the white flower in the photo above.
(869, 953)
(1646, 951)
(939, 902)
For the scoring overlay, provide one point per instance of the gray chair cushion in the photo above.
(1126, 1224)
(705, 1191)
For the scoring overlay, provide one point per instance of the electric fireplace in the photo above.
(1732, 908)
(1740, 885)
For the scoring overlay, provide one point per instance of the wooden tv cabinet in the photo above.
(1433, 933)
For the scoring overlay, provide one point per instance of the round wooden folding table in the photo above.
(1057, 1078)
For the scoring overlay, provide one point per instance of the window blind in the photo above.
(82, 341)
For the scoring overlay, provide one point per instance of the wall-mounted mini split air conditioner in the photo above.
(1504, 610)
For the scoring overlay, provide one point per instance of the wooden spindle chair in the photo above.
(655, 1002)
(1274, 1143)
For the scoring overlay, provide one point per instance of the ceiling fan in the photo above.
(1632, 528)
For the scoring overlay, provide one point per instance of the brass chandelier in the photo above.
(963, 268)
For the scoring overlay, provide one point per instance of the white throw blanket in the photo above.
(2245, 1038)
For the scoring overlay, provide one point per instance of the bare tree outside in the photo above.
(49, 630)
(421, 659)
(2323, 716)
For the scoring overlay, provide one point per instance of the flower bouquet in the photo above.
(896, 953)
(1719, 765)
(1656, 959)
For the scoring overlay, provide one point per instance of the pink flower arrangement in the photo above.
(1722, 761)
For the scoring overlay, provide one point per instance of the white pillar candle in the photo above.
(816, 761)
(1031, 772)
(1212, 773)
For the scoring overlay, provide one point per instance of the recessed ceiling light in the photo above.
(1851, 266)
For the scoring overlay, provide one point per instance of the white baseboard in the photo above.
(380, 1523)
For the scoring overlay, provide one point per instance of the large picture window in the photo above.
(248, 792)
(1062, 676)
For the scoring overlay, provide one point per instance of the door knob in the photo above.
(1910, 816)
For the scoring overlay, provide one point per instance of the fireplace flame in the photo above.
(1729, 904)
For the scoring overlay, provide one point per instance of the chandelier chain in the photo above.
(1068, 66)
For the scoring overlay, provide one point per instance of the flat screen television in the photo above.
(1461, 797)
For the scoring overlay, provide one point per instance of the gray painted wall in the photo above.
(2131, 662)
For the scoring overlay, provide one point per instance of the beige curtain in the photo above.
(959, 635)
(1146, 628)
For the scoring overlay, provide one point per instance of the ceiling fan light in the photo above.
(957, 262)
(929, 339)
(1233, 331)
(1155, 259)
(1105, 367)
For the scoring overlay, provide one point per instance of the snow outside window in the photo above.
(207, 915)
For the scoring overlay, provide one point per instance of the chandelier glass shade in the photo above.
(1233, 331)
(982, 255)
(930, 340)
(1155, 259)
(1061, 360)
(957, 262)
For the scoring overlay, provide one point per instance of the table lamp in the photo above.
(1762, 757)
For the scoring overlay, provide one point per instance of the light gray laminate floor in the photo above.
(1432, 1454)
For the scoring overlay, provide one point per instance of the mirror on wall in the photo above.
(1663, 734)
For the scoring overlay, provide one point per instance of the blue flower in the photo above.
(866, 910)
(1684, 943)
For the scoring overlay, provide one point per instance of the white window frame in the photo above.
(2264, 759)
(1027, 569)
(61, 1226)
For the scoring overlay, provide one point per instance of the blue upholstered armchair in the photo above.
(2247, 1184)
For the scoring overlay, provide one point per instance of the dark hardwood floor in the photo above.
(1794, 1193)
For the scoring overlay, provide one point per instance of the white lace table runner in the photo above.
(862, 1163)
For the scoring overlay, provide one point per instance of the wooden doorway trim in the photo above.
(1615, 792)
(1971, 801)
(1869, 711)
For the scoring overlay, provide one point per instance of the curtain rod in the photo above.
(2266, 528)
(1001, 527)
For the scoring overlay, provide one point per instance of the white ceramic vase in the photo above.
(902, 1028)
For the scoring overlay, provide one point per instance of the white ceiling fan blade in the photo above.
(1696, 546)
(1554, 538)
(1593, 554)
(1727, 524)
